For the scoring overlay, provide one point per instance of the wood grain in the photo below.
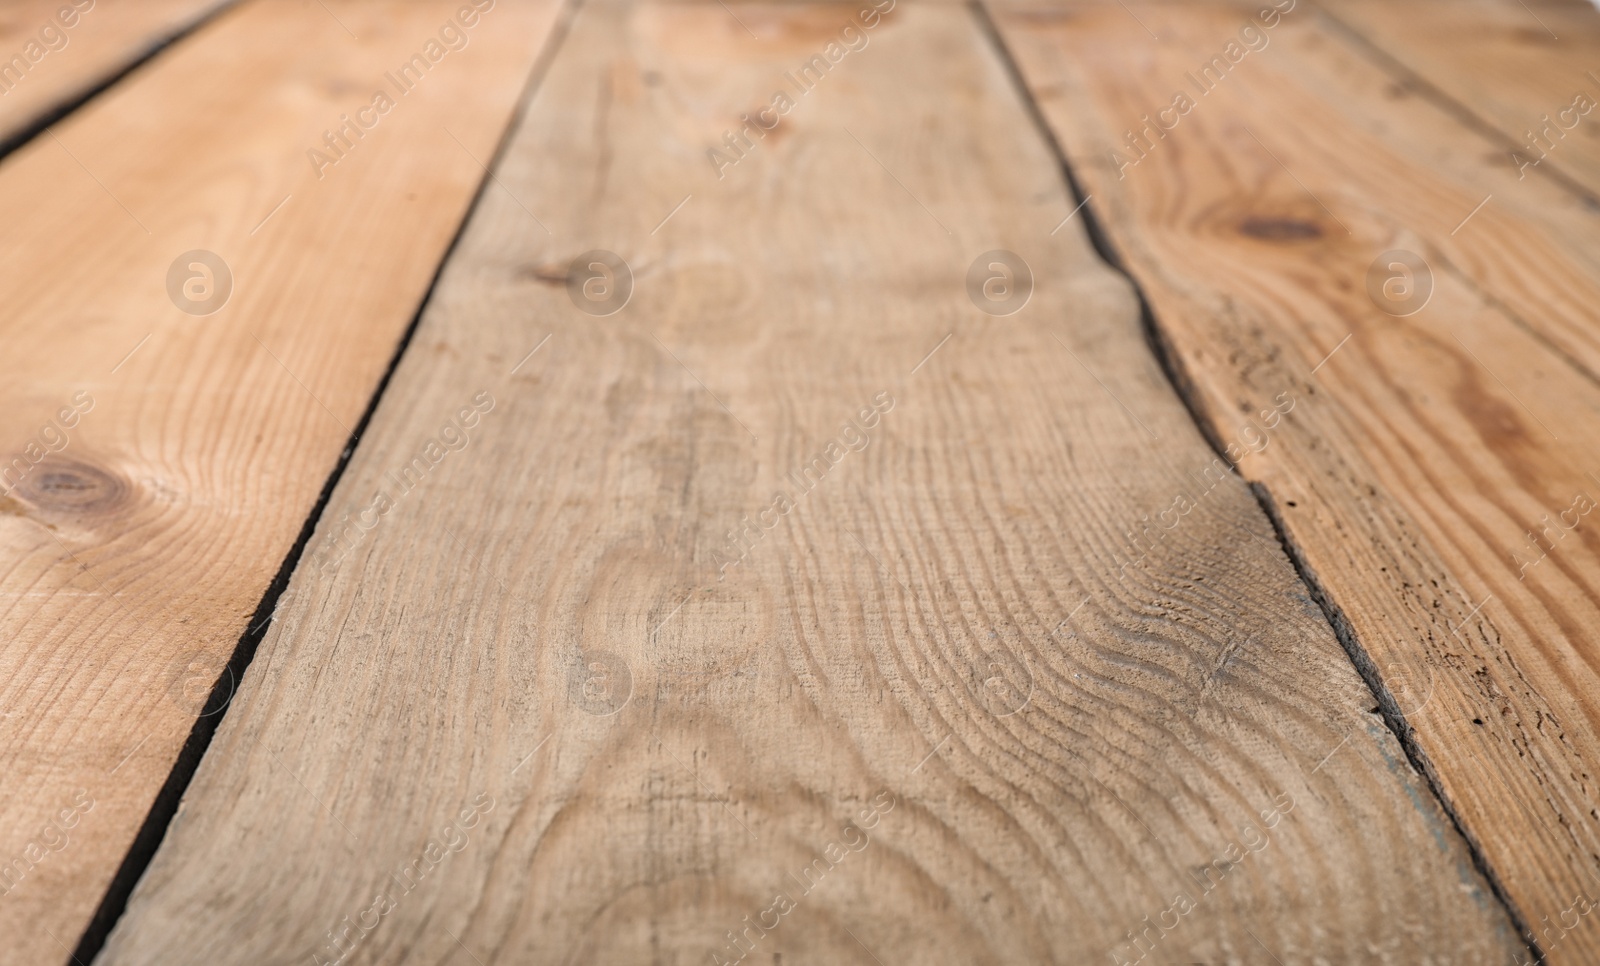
(579, 693)
(158, 466)
(1524, 233)
(1434, 447)
(54, 52)
(1514, 66)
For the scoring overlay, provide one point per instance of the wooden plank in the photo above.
(54, 52)
(563, 704)
(1524, 232)
(159, 465)
(1433, 448)
(1527, 70)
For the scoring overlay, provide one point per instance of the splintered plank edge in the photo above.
(1449, 417)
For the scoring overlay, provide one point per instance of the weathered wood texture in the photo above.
(1517, 68)
(1532, 243)
(158, 466)
(523, 714)
(1424, 481)
(53, 52)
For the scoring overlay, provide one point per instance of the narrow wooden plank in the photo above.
(1441, 440)
(1528, 68)
(563, 704)
(1527, 233)
(53, 52)
(159, 465)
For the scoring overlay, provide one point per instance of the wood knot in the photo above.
(1280, 229)
(73, 487)
(1534, 37)
(548, 273)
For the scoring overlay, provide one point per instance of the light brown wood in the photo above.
(158, 466)
(53, 52)
(1529, 70)
(526, 685)
(1451, 108)
(1432, 446)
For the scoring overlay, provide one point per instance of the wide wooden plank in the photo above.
(1528, 69)
(798, 610)
(1442, 437)
(54, 52)
(159, 464)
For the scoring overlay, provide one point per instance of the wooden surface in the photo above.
(70, 47)
(546, 709)
(1514, 67)
(169, 460)
(1459, 87)
(1431, 446)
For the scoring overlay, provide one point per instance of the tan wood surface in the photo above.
(158, 466)
(1435, 448)
(53, 52)
(1529, 71)
(1455, 89)
(967, 700)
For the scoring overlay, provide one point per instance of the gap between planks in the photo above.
(148, 839)
(1172, 366)
(1322, 752)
